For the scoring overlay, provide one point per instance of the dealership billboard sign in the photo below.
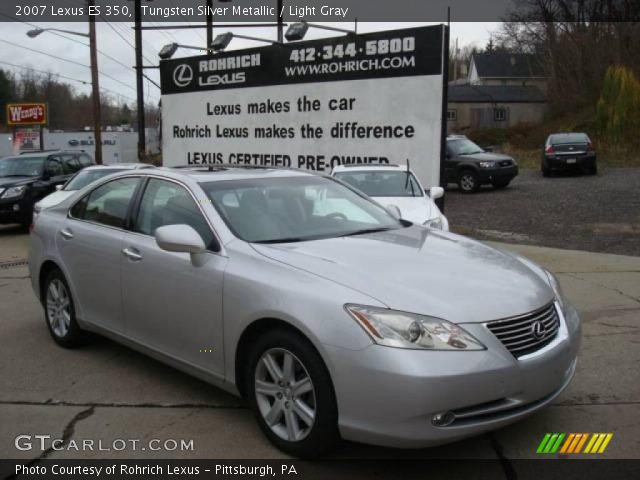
(26, 113)
(371, 98)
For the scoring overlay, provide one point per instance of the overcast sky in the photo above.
(114, 39)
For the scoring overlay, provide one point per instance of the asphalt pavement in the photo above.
(105, 392)
(571, 211)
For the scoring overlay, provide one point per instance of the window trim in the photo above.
(137, 202)
(123, 228)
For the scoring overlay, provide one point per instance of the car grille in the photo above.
(527, 333)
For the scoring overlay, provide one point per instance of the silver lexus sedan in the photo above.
(330, 316)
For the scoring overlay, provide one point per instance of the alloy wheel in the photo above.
(467, 182)
(58, 308)
(285, 394)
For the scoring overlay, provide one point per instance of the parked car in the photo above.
(470, 166)
(26, 179)
(397, 187)
(81, 180)
(329, 315)
(563, 151)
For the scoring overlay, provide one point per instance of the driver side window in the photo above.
(53, 167)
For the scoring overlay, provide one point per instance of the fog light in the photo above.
(16, 207)
(443, 419)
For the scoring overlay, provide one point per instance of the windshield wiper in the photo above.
(368, 230)
(281, 240)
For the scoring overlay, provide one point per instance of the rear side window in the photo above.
(167, 203)
(85, 160)
(107, 204)
(70, 164)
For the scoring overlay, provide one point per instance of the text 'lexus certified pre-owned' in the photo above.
(330, 316)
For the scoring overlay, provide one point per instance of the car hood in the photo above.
(15, 181)
(415, 209)
(55, 198)
(487, 156)
(424, 271)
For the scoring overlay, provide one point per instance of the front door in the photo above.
(170, 304)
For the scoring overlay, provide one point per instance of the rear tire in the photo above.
(593, 170)
(59, 311)
(468, 181)
(546, 171)
(291, 394)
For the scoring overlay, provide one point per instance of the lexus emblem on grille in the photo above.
(538, 330)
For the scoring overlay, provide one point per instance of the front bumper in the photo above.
(14, 211)
(490, 175)
(388, 396)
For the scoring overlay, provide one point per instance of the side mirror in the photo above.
(59, 187)
(394, 211)
(179, 238)
(436, 192)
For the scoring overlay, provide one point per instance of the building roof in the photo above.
(508, 65)
(495, 94)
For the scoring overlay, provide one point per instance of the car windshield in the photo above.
(382, 183)
(21, 166)
(561, 138)
(294, 209)
(463, 146)
(84, 178)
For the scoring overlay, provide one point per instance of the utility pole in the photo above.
(209, 23)
(95, 88)
(280, 22)
(137, 16)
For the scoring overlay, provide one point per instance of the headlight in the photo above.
(13, 192)
(555, 285)
(487, 164)
(409, 330)
(434, 223)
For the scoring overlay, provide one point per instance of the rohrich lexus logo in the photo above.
(538, 330)
(182, 75)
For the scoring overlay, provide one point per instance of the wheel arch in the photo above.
(46, 268)
(251, 332)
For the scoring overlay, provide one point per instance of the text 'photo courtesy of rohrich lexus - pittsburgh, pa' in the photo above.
(332, 317)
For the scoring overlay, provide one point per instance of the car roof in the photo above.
(369, 167)
(230, 172)
(456, 137)
(121, 166)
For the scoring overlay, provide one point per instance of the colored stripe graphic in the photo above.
(572, 443)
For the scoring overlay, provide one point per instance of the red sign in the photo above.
(26, 113)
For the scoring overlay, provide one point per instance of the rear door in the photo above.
(90, 243)
(170, 304)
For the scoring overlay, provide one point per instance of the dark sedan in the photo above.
(568, 151)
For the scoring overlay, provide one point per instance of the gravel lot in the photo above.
(578, 212)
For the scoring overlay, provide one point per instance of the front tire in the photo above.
(59, 311)
(291, 393)
(468, 181)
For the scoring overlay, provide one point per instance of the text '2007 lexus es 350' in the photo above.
(331, 317)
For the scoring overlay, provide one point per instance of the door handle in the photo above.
(66, 234)
(132, 254)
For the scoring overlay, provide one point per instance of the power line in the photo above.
(59, 75)
(57, 34)
(65, 60)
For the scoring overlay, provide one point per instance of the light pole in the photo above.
(95, 86)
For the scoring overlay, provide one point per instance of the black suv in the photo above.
(470, 166)
(27, 178)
